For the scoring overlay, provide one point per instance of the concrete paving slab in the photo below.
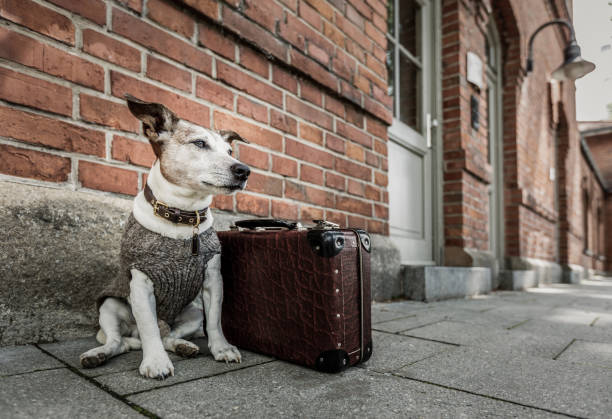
(278, 389)
(416, 319)
(392, 351)
(379, 315)
(70, 350)
(569, 330)
(592, 353)
(402, 306)
(554, 385)
(57, 393)
(184, 370)
(24, 358)
(493, 339)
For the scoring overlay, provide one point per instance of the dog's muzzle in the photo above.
(240, 171)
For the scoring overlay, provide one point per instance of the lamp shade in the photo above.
(574, 66)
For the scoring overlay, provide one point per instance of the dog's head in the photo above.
(189, 155)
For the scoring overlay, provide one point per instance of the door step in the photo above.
(430, 283)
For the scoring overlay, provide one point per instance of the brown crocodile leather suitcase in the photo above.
(300, 295)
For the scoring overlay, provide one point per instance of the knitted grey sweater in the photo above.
(177, 275)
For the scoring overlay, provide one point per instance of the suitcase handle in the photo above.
(267, 224)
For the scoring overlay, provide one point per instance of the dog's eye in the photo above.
(200, 144)
(230, 152)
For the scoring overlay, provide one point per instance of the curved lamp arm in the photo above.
(529, 66)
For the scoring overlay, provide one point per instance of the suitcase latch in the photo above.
(325, 225)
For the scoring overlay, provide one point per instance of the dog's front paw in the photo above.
(157, 366)
(223, 351)
(93, 358)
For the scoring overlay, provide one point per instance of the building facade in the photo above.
(360, 112)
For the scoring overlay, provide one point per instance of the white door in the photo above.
(410, 166)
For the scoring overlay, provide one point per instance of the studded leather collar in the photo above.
(174, 215)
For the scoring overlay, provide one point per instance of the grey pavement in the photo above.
(546, 352)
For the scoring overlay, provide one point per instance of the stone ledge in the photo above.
(430, 283)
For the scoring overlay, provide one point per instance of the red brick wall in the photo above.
(594, 243)
(304, 81)
(529, 122)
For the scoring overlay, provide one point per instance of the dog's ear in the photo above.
(230, 136)
(155, 116)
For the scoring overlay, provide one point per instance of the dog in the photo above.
(169, 239)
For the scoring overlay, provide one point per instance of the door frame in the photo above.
(431, 103)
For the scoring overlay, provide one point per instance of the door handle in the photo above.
(431, 122)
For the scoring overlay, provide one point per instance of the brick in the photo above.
(30, 52)
(131, 151)
(242, 81)
(355, 188)
(350, 168)
(223, 202)
(310, 154)
(108, 178)
(336, 217)
(284, 79)
(319, 54)
(311, 174)
(332, 33)
(379, 7)
(311, 133)
(149, 36)
(283, 122)
(214, 93)
(355, 152)
(371, 159)
(376, 35)
(353, 134)
(265, 12)
(353, 15)
(251, 204)
(49, 132)
(94, 10)
(308, 194)
(252, 110)
(105, 112)
(216, 41)
(267, 185)
(38, 18)
(111, 50)
(311, 93)
(310, 15)
(335, 143)
(376, 128)
(354, 116)
(378, 110)
(254, 61)
(380, 147)
(309, 113)
(249, 30)
(335, 181)
(309, 214)
(323, 8)
(381, 211)
(169, 74)
(357, 222)
(172, 18)
(353, 32)
(381, 179)
(33, 164)
(284, 166)
(29, 91)
(252, 133)
(253, 157)
(314, 70)
(135, 5)
(372, 192)
(292, 4)
(334, 106)
(377, 227)
(284, 210)
(183, 107)
(353, 205)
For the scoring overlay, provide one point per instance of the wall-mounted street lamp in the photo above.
(574, 66)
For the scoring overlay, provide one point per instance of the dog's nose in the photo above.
(240, 171)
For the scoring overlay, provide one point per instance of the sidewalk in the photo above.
(545, 352)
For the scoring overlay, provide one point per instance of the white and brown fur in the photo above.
(193, 164)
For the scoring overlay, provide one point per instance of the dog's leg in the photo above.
(186, 324)
(212, 295)
(155, 361)
(113, 313)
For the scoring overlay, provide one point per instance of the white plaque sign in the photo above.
(474, 69)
